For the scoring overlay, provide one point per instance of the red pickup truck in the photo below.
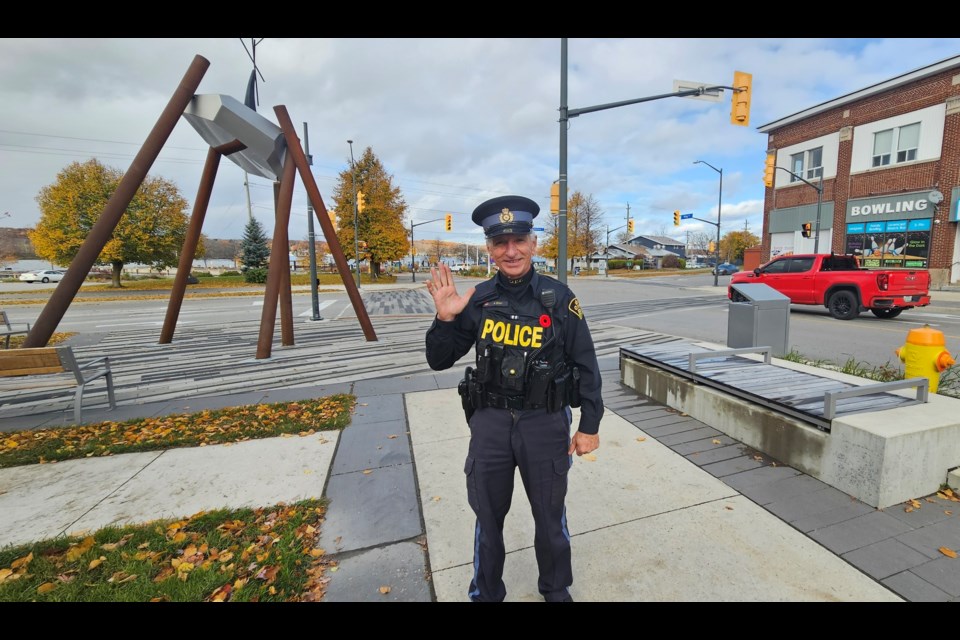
(840, 284)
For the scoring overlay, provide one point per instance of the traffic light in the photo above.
(449, 226)
(712, 246)
(361, 201)
(676, 218)
(630, 227)
(555, 198)
(740, 105)
(768, 170)
(805, 229)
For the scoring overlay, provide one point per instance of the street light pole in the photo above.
(314, 299)
(716, 269)
(356, 232)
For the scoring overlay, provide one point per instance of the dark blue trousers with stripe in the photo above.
(536, 443)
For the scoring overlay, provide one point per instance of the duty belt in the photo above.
(499, 401)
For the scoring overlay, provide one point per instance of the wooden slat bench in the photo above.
(7, 330)
(47, 360)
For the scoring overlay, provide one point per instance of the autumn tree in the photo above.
(151, 230)
(584, 229)
(733, 244)
(380, 224)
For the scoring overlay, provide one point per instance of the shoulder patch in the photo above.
(575, 309)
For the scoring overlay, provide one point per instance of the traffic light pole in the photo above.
(565, 114)
(606, 272)
(716, 269)
(413, 249)
(816, 237)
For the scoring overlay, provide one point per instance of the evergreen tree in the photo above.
(254, 249)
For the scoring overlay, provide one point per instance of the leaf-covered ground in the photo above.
(265, 554)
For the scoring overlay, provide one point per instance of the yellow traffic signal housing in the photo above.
(712, 246)
(449, 226)
(676, 218)
(361, 201)
(740, 106)
(555, 198)
(769, 169)
(806, 229)
(630, 227)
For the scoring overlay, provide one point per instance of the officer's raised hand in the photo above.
(449, 303)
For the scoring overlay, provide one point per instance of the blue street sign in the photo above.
(538, 228)
(684, 216)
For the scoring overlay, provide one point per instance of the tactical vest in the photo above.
(520, 361)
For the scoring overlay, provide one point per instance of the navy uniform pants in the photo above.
(536, 442)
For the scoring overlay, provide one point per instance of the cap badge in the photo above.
(506, 215)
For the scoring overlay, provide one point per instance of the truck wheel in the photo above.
(843, 305)
(886, 314)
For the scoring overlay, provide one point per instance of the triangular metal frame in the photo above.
(278, 273)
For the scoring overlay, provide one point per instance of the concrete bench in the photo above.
(7, 330)
(49, 360)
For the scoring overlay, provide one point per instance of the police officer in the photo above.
(534, 360)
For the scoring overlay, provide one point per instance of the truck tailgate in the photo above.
(906, 282)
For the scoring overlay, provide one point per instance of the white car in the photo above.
(49, 275)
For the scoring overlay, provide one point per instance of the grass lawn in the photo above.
(264, 554)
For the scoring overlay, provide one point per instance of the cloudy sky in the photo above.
(454, 121)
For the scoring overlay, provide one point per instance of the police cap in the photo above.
(506, 214)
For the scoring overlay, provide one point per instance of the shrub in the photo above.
(203, 274)
(230, 273)
(257, 275)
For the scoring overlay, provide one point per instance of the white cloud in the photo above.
(454, 121)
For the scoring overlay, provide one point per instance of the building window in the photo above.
(904, 139)
(812, 159)
(908, 142)
(814, 163)
(881, 147)
(796, 166)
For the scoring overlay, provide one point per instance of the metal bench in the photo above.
(7, 330)
(48, 360)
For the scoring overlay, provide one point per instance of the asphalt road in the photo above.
(683, 305)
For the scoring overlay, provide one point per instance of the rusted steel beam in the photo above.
(100, 234)
(293, 148)
(268, 315)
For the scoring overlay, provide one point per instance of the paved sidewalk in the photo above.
(670, 510)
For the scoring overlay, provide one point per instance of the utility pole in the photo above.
(314, 297)
(246, 183)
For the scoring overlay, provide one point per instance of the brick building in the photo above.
(875, 172)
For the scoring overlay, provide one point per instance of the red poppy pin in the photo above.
(544, 321)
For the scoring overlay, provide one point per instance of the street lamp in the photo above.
(716, 269)
(314, 299)
(356, 232)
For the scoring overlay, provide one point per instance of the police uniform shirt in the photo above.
(447, 342)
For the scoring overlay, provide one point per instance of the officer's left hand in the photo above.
(584, 443)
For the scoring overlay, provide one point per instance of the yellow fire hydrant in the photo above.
(925, 356)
